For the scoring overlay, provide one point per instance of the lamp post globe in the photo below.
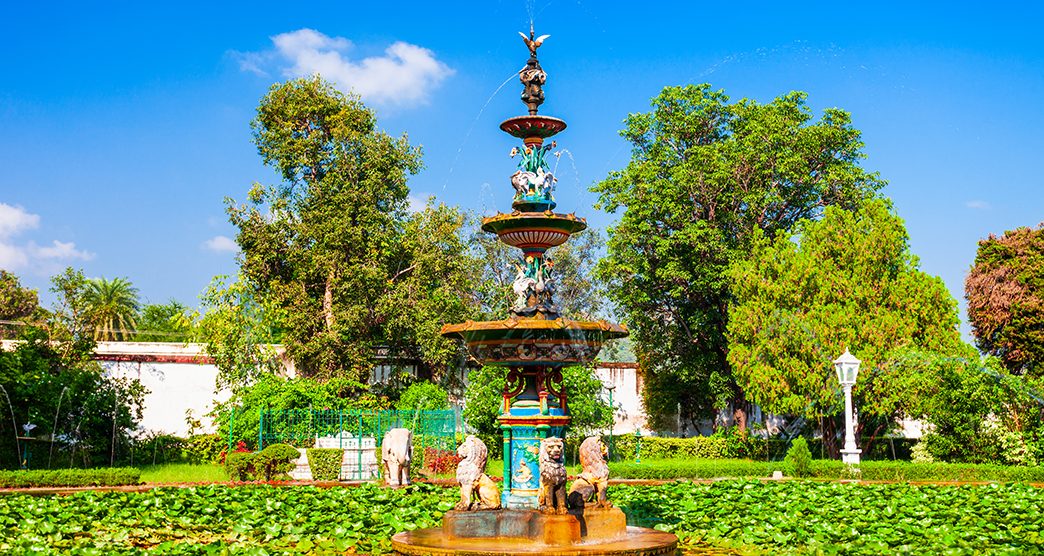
(847, 367)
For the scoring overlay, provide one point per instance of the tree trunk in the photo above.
(328, 301)
(830, 444)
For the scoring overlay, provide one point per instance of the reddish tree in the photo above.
(1005, 293)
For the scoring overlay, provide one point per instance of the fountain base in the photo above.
(579, 532)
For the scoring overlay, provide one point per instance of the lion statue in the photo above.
(593, 482)
(396, 453)
(477, 490)
(552, 494)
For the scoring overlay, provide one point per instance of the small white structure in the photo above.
(359, 462)
(847, 367)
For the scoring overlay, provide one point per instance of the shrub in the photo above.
(721, 445)
(110, 476)
(157, 448)
(440, 461)
(240, 466)
(423, 395)
(275, 461)
(799, 459)
(204, 448)
(325, 463)
(920, 454)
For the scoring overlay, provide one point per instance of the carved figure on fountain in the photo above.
(477, 490)
(591, 487)
(552, 494)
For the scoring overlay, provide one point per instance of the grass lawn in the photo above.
(183, 473)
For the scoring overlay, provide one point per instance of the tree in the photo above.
(168, 322)
(484, 395)
(579, 294)
(239, 333)
(16, 303)
(111, 306)
(333, 249)
(1005, 293)
(704, 175)
(845, 281)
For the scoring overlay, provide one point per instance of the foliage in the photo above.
(111, 306)
(325, 463)
(275, 462)
(978, 413)
(168, 322)
(483, 399)
(439, 461)
(254, 519)
(204, 448)
(579, 293)
(239, 332)
(425, 395)
(719, 445)
(276, 393)
(799, 458)
(153, 447)
(67, 396)
(16, 303)
(704, 175)
(239, 466)
(691, 468)
(333, 248)
(32, 478)
(847, 280)
(798, 517)
(1005, 293)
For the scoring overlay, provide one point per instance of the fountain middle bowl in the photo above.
(521, 342)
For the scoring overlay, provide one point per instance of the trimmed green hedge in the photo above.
(693, 469)
(239, 466)
(825, 469)
(325, 463)
(109, 476)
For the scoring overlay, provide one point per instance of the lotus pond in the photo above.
(744, 516)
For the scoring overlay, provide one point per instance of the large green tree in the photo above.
(845, 281)
(333, 250)
(704, 175)
(164, 322)
(1005, 293)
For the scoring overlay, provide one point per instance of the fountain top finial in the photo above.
(533, 43)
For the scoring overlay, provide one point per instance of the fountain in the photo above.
(533, 511)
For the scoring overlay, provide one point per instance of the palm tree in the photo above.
(111, 307)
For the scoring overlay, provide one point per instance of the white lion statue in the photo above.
(396, 453)
(477, 490)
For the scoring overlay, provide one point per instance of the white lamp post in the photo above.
(847, 367)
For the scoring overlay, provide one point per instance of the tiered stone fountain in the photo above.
(535, 342)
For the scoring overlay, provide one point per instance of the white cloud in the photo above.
(14, 220)
(416, 203)
(221, 244)
(403, 76)
(16, 256)
(60, 250)
(977, 205)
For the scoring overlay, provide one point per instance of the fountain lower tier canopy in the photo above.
(532, 342)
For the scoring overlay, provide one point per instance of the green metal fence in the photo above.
(359, 434)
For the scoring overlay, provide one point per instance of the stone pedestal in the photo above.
(586, 525)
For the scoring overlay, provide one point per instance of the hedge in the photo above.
(325, 463)
(109, 476)
(825, 469)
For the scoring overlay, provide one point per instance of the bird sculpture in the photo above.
(532, 43)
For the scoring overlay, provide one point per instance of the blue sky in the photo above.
(123, 128)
